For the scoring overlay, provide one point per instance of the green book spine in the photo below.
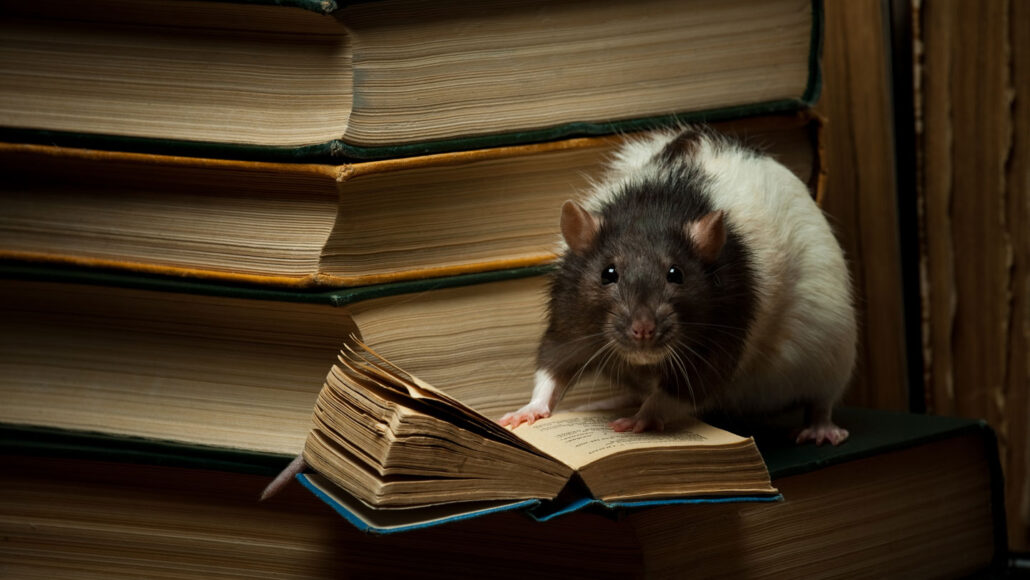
(875, 432)
(50, 442)
(10, 270)
(317, 6)
(339, 152)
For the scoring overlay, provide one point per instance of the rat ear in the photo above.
(579, 227)
(708, 235)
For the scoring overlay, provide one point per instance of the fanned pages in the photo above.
(197, 364)
(391, 441)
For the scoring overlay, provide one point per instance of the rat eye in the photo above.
(674, 275)
(609, 275)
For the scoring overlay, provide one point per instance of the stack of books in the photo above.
(233, 231)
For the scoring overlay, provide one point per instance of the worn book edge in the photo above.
(783, 460)
(874, 432)
(336, 151)
(341, 174)
(390, 521)
(33, 440)
(382, 521)
(311, 283)
(66, 274)
(317, 6)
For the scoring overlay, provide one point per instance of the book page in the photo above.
(578, 439)
(363, 361)
(388, 520)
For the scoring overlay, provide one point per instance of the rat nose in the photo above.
(642, 329)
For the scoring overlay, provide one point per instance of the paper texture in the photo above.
(578, 439)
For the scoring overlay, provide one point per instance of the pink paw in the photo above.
(820, 434)
(528, 414)
(637, 424)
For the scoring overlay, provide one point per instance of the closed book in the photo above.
(311, 225)
(280, 81)
(229, 366)
(915, 497)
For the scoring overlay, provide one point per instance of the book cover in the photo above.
(918, 512)
(41, 441)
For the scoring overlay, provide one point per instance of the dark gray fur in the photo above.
(642, 234)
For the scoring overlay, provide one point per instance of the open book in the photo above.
(390, 441)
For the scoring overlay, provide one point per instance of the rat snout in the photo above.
(642, 328)
(640, 338)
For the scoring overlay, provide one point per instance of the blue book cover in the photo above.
(390, 521)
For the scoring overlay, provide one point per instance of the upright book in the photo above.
(302, 225)
(271, 80)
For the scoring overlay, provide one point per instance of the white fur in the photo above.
(545, 396)
(802, 343)
(544, 390)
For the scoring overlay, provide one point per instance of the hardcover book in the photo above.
(907, 496)
(939, 476)
(406, 451)
(310, 225)
(234, 366)
(279, 81)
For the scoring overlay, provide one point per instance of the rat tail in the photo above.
(296, 466)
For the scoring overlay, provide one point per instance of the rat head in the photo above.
(642, 277)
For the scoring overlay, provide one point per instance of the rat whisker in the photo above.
(735, 333)
(606, 351)
(718, 373)
(676, 359)
(726, 327)
(729, 355)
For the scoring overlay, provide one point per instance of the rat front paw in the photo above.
(528, 414)
(826, 433)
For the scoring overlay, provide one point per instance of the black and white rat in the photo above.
(701, 276)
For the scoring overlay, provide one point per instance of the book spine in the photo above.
(317, 6)
(343, 150)
(21, 440)
(337, 151)
(341, 297)
(814, 86)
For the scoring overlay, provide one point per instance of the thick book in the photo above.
(909, 496)
(278, 81)
(409, 453)
(311, 225)
(233, 371)
(225, 365)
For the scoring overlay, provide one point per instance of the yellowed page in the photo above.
(578, 439)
